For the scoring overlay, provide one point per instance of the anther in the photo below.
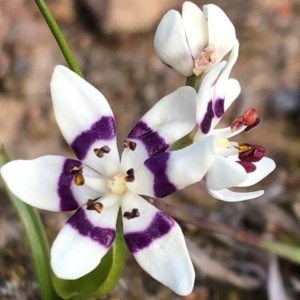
(250, 116)
(130, 175)
(254, 154)
(248, 166)
(257, 121)
(243, 148)
(129, 144)
(131, 215)
(78, 177)
(97, 206)
(237, 124)
(101, 151)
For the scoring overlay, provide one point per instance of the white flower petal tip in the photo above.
(163, 243)
(84, 117)
(230, 196)
(82, 242)
(48, 183)
(263, 168)
(171, 45)
(221, 31)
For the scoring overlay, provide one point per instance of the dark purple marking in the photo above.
(104, 129)
(248, 166)
(160, 226)
(67, 199)
(80, 222)
(157, 164)
(254, 154)
(219, 107)
(153, 142)
(206, 122)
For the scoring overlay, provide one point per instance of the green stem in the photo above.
(36, 238)
(65, 49)
(194, 81)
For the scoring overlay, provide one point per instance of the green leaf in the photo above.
(36, 238)
(100, 281)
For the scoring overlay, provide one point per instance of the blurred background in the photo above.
(113, 43)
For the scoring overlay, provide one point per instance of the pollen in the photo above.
(117, 184)
(243, 148)
(223, 143)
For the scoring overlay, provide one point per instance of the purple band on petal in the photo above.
(67, 200)
(206, 122)
(104, 129)
(158, 166)
(219, 107)
(160, 226)
(153, 142)
(80, 222)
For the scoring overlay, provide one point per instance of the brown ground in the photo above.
(112, 41)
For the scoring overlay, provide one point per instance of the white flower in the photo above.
(234, 165)
(98, 184)
(194, 41)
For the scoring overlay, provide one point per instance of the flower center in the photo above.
(117, 184)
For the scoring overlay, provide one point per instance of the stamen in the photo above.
(131, 215)
(97, 206)
(78, 177)
(257, 121)
(250, 116)
(101, 151)
(237, 124)
(243, 147)
(130, 175)
(205, 61)
(254, 154)
(248, 166)
(129, 144)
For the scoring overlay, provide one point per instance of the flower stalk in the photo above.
(64, 47)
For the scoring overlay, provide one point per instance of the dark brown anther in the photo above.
(131, 215)
(129, 144)
(130, 175)
(78, 179)
(97, 206)
(101, 151)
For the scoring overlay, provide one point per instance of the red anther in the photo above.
(237, 124)
(253, 125)
(250, 116)
(256, 153)
(248, 166)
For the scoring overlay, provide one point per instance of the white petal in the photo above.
(205, 112)
(221, 85)
(47, 182)
(196, 28)
(263, 168)
(221, 31)
(167, 172)
(224, 173)
(232, 91)
(84, 118)
(171, 45)
(82, 242)
(157, 243)
(229, 196)
(166, 122)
